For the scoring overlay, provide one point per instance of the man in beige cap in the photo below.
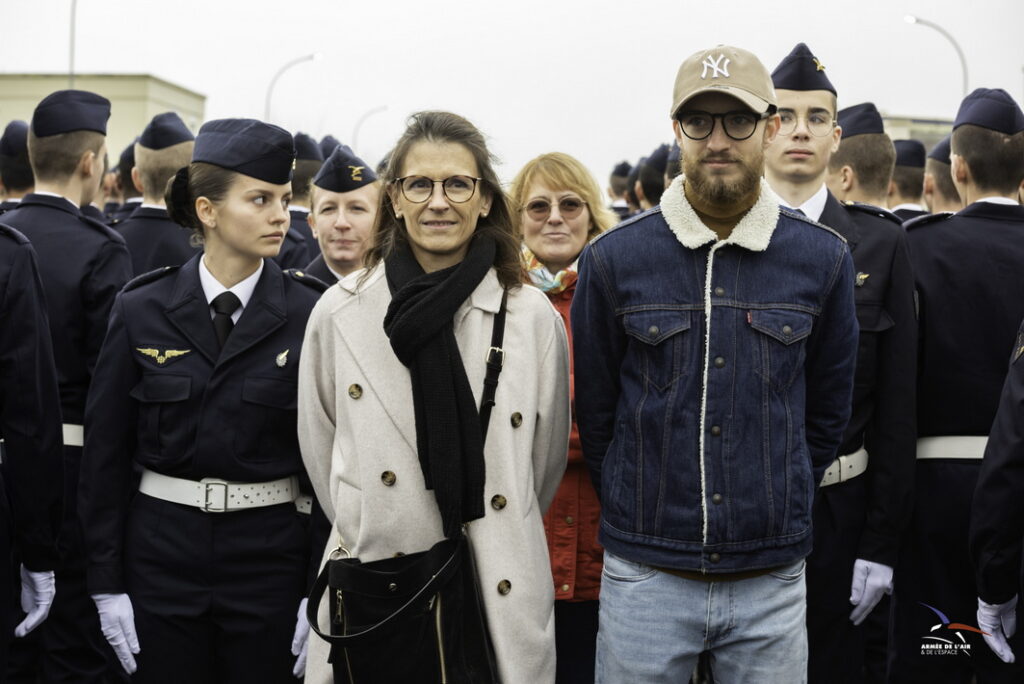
(715, 339)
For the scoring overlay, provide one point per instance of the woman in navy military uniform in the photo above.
(197, 570)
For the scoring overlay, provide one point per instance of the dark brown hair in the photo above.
(445, 127)
(909, 181)
(996, 160)
(191, 182)
(302, 178)
(872, 157)
(944, 184)
(55, 157)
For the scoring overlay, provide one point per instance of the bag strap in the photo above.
(495, 360)
(438, 580)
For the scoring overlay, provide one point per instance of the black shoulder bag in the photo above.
(415, 618)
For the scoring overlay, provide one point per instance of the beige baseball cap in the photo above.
(728, 70)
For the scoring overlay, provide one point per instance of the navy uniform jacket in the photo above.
(83, 264)
(122, 213)
(8, 205)
(318, 269)
(905, 215)
(997, 513)
(164, 398)
(970, 285)
(29, 408)
(884, 417)
(93, 213)
(300, 226)
(294, 251)
(155, 241)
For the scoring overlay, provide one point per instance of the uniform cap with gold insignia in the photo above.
(250, 147)
(344, 171)
(801, 70)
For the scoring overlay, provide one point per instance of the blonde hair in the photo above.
(560, 171)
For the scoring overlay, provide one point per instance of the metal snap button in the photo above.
(565, 587)
(719, 362)
(517, 419)
(719, 291)
(504, 587)
(716, 430)
(498, 502)
(653, 330)
(714, 558)
(388, 478)
(355, 391)
(569, 520)
(716, 498)
(786, 330)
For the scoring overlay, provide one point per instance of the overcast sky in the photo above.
(588, 77)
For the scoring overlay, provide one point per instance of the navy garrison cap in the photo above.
(909, 153)
(800, 70)
(14, 141)
(622, 169)
(659, 158)
(940, 152)
(127, 159)
(70, 110)
(307, 148)
(165, 130)
(991, 108)
(248, 146)
(344, 171)
(327, 145)
(860, 119)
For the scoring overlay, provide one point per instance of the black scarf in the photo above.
(420, 325)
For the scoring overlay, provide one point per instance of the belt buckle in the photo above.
(211, 495)
(495, 355)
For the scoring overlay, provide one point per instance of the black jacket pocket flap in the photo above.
(273, 392)
(161, 388)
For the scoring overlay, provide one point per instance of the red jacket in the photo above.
(572, 521)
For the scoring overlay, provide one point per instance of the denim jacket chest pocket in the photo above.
(658, 343)
(781, 344)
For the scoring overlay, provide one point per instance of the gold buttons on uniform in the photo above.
(517, 419)
(498, 502)
(388, 478)
(504, 586)
(355, 391)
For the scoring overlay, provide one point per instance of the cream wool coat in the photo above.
(356, 422)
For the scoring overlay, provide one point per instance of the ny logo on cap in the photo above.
(357, 172)
(717, 66)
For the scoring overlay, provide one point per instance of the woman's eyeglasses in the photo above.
(568, 208)
(457, 189)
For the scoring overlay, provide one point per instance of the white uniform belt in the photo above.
(214, 495)
(958, 446)
(845, 468)
(304, 504)
(74, 435)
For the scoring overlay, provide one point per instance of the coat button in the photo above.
(569, 520)
(714, 558)
(716, 498)
(715, 430)
(517, 419)
(786, 330)
(719, 362)
(504, 586)
(719, 291)
(565, 587)
(653, 330)
(388, 478)
(498, 502)
(355, 391)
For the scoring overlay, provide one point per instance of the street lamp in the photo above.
(71, 46)
(911, 19)
(270, 89)
(359, 124)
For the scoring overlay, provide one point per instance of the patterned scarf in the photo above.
(541, 277)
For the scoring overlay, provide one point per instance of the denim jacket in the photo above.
(713, 382)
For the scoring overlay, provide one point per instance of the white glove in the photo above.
(37, 590)
(117, 621)
(870, 581)
(998, 622)
(300, 642)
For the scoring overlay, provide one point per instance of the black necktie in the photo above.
(224, 304)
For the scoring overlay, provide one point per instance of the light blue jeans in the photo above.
(653, 625)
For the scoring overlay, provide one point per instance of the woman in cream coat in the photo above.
(357, 424)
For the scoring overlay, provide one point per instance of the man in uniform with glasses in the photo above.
(715, 339)
(864, 502)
